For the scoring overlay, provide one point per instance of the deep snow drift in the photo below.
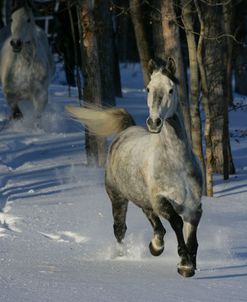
(56, 238)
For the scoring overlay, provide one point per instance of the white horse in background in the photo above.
(26, 62)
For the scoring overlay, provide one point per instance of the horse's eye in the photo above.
(171, 91)
(28, 20)
(147, 90)
(10, 20)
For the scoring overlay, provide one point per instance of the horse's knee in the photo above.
(167, 211)
(17, 114)
(39, 105)
(119, 210)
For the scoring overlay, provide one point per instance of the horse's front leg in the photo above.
(12, 102)
(16, 113)
(185, 267)
(156, 245)
(190, 227)
(40, 99)
(119, 211)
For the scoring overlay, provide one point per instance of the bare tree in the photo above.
(141, 38)
(216, 71)
(205, 98)
(92, 93)
(158, 39)
(173, 49)
(196, 125)
(228, 18)
(105, 42)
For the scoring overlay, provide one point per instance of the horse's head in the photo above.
(162, 94)
(22, 25)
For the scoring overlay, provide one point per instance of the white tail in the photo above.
(101, 121)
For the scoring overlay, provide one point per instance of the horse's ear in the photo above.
(171, 65)
(29, 4)
(15, 5)
(152, 66)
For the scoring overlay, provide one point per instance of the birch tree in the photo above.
(196, 125)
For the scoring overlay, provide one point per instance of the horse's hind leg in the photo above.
(156, 245)
(185, 267)
(191, 225)
(12, 102)
(16, 113)
(119, 211)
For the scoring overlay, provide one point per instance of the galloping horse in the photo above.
(155, 169)
(26, 62)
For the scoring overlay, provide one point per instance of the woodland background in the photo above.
(207, 38)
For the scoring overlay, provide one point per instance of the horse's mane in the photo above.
(162, 65)
(27, 4)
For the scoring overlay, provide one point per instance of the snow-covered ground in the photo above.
(56, 239)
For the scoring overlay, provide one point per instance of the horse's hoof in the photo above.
(17, 115)
(186, 271)
(155, 251)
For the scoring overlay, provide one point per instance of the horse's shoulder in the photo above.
(129, 135)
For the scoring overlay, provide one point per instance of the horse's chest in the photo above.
(20, 80)
(22, 72)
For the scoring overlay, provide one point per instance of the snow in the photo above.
(56, 235)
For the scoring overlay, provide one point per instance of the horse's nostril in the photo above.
(18, 42)
(158, 122)
(15, 43)
(149, 121)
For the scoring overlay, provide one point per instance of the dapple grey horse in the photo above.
(26, 62)
(155, 169)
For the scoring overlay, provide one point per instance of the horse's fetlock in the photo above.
(158, 242)
(182, 251)
(155, 249)
(119, 231)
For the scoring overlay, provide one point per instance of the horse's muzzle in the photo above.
(16, 45)
(154, 126)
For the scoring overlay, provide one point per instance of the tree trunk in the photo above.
(158, 39)
(173, 49)
(196, 125)
(2, 14)
(228, 13)
(105, 45)
(216, 74)
(141, 39)
(241, 50)
(95, 146)
(116, 67)
(205, 98)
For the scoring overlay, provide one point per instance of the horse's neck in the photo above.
(174, 129)
(30, 50)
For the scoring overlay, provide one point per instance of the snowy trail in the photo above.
(56, 235)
